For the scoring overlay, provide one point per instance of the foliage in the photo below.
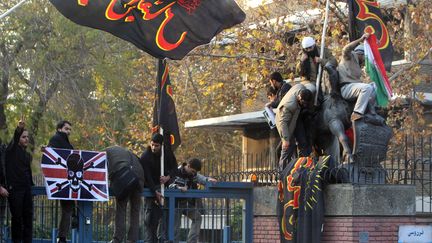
(53, 69)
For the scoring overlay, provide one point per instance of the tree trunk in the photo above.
(39, 111)
(33, 126)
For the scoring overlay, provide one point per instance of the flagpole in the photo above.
(162, 168)
(320, 69)
(12, 9)
(162, 164)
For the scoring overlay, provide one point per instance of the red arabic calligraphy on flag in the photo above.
(162, 28)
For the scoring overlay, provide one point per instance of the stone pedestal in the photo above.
(354, 213)
(367, 213)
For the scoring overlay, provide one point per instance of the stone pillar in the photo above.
(266, 226)
(367, 213)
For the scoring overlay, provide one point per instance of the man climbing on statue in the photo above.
(350, 83)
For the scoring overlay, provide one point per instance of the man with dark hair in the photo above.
(277, 82)
(187, 177)
(61, 140)
(124, 163)
(288, 125)
(350, 72)
(310, 61)
(271, 93)
(151, 163)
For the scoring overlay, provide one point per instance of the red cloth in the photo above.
(350, 134)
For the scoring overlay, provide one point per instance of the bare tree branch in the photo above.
(404, 69)
(240, 56)
(190, 79)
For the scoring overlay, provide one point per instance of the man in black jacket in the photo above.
(151, 163)
(277, 82)
(61, 140)
(120, 160)
(187, 177)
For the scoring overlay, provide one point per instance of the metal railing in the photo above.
(408, 161)
(227, 216)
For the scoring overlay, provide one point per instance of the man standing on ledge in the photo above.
(288, 125)
(151, 163)
(61, 140)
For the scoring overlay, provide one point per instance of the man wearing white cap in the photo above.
(309, 61)
(350, 72)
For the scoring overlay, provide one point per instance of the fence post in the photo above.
(227, 234)
(171, 214)
(74, 236)
(248, 218)
(85, 213)
(54, 235)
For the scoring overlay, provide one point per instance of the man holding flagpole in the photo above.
(350, 72)
(310, 60)
(151, 163)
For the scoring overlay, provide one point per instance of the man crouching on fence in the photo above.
(127, 182)
(187, 177)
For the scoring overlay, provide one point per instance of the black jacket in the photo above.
(2, 164)
(119, 158)
(151, 165)
(182, 178)
(280, 94)
(18, 164)
(60, 140)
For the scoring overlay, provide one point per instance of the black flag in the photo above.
(301, 202)
(164, 113)
(365, 16)
(162, 28)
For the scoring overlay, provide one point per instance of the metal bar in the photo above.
(85, 221)
(248, 219)
(422, 180)
(171, 217)
(430, 174)
(406, 160)
(227, 191)
(414, 160)
(320, 69)
(227, 234)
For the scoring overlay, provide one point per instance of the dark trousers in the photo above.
(21, 208)
(3, 202)
(67, 210)
(193, 209)
(153, 222)
(120, 218)
(303, 145)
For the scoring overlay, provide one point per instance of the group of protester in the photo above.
(289, 102)
(16, 183)
(293, 103)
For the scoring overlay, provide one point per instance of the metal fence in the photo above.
(408, 161)
(227, 216)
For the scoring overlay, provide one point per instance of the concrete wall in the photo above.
(363, 229)
(354, 213)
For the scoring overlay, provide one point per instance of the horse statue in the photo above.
(328, 126)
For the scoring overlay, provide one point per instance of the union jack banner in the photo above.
(75, 174)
